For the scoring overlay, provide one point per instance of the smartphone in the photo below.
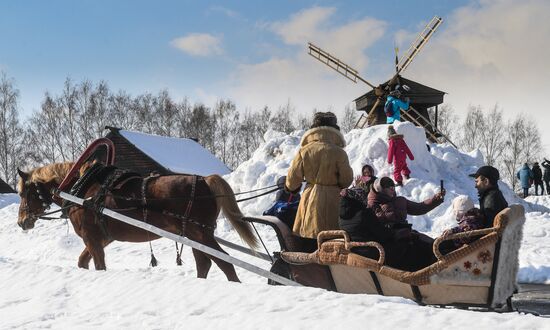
(441, 184)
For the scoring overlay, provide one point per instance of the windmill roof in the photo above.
(419, 94)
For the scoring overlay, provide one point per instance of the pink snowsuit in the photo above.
(399, 150)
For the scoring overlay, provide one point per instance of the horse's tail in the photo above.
(226, 200)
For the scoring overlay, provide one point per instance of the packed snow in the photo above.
(41, 287)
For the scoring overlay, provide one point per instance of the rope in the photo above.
(262, 241)
(256, 196)
(250, 191)
(200, 197)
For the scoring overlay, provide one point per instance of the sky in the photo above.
(485, 53)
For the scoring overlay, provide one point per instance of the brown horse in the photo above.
(193, 203)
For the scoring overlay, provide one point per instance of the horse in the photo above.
(186, 205)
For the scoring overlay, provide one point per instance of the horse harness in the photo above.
(112, 178)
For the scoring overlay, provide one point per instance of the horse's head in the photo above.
(35, 196)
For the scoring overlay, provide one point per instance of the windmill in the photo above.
(380, 91)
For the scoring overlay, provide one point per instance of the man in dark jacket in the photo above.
(537, 178)
(491, 200)
(546, 176)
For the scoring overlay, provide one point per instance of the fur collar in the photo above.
(396, 137)
(323, 134)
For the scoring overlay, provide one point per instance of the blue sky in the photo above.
(254, 52)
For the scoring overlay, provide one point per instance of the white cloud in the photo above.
(492, 52)
(226, 11)
(298, 77)
(302, 25)
(198, 44)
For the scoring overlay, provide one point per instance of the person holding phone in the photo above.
(408, 249)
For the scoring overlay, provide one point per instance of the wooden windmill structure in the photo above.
(371, 104)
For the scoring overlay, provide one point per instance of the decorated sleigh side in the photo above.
(481, 274)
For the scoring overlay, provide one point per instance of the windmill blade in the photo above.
(334, 63)
(420, 41)
(396, 58)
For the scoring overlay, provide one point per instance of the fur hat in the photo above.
(461, 204)
(325, 119)
(381, 183)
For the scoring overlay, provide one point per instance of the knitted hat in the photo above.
(461, 204)
(325, 119)
(281, 181)
(381, 183)
(391, 131)
(489, 172)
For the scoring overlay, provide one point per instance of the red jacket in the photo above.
(398, 149)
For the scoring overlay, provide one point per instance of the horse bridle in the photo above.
(44, 196)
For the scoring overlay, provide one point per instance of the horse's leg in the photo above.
(84, 259)
(226, 267)
(202, 262)
(95, 248)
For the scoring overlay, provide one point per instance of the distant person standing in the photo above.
(398, 150)
(525, 176)
(537, 178)
(394, 105)
(491, 200)
(546, 176)
(323, 163)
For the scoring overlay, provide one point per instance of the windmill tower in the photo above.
(371, 104)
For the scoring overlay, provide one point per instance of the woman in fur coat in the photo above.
(323, 163)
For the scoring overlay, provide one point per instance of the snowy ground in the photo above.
(41, 287)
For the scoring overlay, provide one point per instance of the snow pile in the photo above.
(370, 146)
(441, 162)
(42, 287)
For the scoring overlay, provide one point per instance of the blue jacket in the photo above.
(397, 105)
(524, 175)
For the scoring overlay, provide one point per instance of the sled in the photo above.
(480, 274)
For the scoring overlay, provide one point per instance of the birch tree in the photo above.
(11, 132)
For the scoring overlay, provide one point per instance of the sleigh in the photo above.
(480, 274)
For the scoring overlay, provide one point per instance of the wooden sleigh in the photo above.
(481, 274)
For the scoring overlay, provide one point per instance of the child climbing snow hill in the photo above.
(397, 154)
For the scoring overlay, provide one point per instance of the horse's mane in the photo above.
(54, 172)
